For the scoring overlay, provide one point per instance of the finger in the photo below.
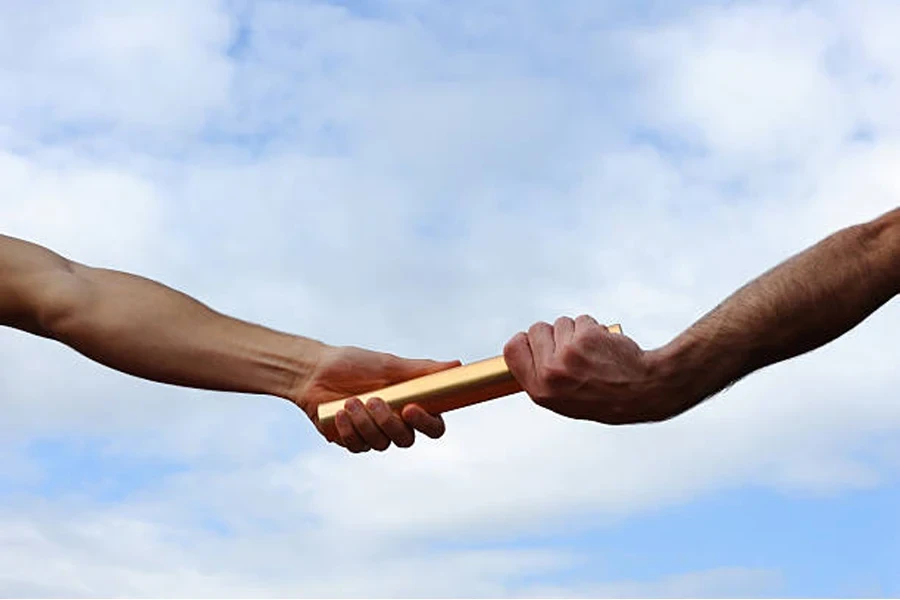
(416, 417)
(518, 356)
(587, 324)
(390, 423)
(330, 433)
(563, 331)
(347, 434)
(365, 426)
(540, 336)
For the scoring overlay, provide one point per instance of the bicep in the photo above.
(27, 273)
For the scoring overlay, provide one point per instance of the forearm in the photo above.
(796, 307)
(143, 328)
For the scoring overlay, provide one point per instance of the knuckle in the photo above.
(592, 330)
(518, 339)
(344, 430)
(586, 320)
(563, 321)
(382, 418)
(539, 327)
(517, 351)
(512, 350)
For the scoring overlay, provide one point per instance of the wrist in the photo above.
(881, 240)
(674, 376)
(304, 356)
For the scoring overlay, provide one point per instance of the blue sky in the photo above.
(428, 178)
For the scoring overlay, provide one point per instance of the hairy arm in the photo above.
(580, 370)
(800, 305)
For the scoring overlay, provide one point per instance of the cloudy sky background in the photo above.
(427, 178)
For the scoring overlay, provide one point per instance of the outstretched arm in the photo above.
(146, 329)
(804, 303)
(140, 327)
(578, 369)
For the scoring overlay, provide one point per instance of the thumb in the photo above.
(520, 360)
(401, 369)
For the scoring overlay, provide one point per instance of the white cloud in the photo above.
(89, 553)
(93, 213)
(751, 79)
(418, 186)
(89, 67)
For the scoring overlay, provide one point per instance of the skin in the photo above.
(578, 369)
(145, 329)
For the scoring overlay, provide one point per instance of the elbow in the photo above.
(61, 304)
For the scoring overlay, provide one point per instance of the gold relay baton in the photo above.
(442, 391)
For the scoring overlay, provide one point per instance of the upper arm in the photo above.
(29, 276)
